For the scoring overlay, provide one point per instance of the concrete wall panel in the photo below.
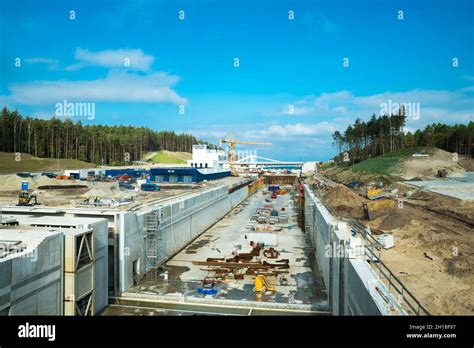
(349, 280)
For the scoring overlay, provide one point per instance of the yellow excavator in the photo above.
(25, 197)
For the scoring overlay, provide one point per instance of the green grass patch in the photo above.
(387, 164)
(28, 163)
(161, 157)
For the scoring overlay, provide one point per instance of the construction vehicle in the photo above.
(232, 143)
(126, 185)
(24, 175)
(125, 178)
(261, 284)
(50, 175)
(150, 187)
(25, 197)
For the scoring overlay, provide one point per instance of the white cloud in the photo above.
(435, 105)
(52, 64)
(115, 87)
(293, 130)
(137, 60)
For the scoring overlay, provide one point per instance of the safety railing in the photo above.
(408, 301)
(395, 285)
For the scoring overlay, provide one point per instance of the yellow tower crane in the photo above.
(232, 143)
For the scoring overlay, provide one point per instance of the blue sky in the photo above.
(284, 64)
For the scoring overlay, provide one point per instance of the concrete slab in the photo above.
(459, 186)
(304, 283)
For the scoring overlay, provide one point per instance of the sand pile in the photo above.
(422, 195)
(341, 195)
(96, 193)
(345, 202)
(428, 166)
(392, 221)
(44, 180)
(13, 182)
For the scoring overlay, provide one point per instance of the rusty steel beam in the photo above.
(232, 264)
(265, 264)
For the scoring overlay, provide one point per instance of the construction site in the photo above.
(208, 172)
(205, 239)
(186, 240)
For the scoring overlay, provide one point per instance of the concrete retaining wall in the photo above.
(101, 298)
(180, 221)
(353, 287)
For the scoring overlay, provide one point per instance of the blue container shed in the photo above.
(134, 173)
(185, 175)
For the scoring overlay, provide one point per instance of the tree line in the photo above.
(99, 144)
(384, 134)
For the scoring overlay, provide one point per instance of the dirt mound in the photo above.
(350, 212)
(422, 196)
(428, 166)
(345, 202)
(44, 180)
(467, 163)
(95, 193)
(393, 221)
(13, 182)
(341, 195)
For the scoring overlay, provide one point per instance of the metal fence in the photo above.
(395, 285)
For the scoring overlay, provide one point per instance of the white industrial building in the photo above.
(207, 158)
(82, 173)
